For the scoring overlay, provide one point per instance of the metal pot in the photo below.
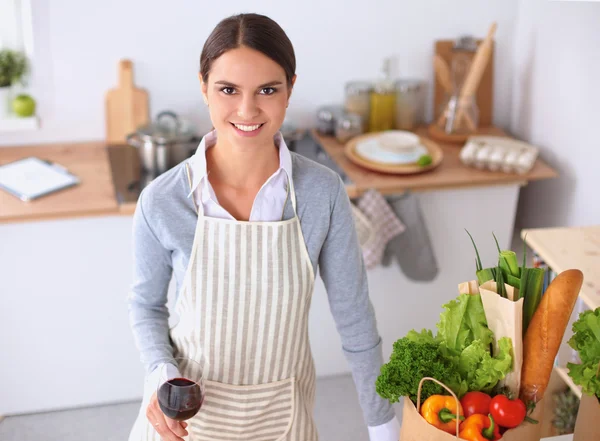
(163, 144)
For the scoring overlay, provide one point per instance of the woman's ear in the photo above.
(290, 88)
(204, 88)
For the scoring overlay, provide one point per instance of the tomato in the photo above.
(506, 412)
(475, 403)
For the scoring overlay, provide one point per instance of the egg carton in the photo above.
(498, 153)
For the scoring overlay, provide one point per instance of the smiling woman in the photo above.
(244, 251)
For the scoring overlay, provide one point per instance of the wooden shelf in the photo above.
(565, 248)
(563, 372)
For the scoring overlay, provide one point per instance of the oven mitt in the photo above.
(412, 250)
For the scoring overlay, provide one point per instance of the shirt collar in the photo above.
(198, 161)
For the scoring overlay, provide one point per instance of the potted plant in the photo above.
(13, 66)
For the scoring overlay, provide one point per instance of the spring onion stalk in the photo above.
(532, 284)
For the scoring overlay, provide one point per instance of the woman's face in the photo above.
(247, 95)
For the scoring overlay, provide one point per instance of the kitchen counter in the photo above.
(451, 173)
(95, 196)
(110, 177)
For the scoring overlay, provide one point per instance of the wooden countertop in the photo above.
(94, 196)
(571, 247)
(108, 172)
(451, 173)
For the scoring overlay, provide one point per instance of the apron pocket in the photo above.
(261, 412)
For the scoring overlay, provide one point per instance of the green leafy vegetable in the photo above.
(459, 355)
(462, 322)
(409, 363)
(482, 371)
(586, 341)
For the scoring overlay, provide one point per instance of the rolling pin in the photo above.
(443, 74)
(480, 61)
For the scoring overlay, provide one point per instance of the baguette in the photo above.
(545, 333)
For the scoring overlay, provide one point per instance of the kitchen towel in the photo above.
(385, 225)
(413, 250)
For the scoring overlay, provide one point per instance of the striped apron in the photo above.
(243, 312)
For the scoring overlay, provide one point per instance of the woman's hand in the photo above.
(168, 429)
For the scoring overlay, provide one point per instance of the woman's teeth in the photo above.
(247, 128)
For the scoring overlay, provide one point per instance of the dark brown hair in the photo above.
(254, 31)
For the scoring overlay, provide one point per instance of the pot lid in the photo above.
(166, 129)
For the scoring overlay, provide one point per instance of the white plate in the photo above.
(392, 147)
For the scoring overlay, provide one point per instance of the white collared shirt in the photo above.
(270, 200)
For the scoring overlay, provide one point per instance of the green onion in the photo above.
(478, 265)
(532, 283)
(500, 282)
(485, 274)
(513, 281)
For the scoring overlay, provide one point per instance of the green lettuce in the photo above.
(586, 341)
(482, 371)
(463, 322)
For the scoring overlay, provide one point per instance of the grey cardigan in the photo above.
(163, 232)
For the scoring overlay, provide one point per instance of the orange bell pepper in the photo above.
(441, 411)
(479, 428)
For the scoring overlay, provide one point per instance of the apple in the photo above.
(23, 105)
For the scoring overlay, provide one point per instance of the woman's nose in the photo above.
(248, 108)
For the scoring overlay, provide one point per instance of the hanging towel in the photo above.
(413, 250)
(384, 223)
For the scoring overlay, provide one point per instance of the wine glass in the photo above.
(180, 398)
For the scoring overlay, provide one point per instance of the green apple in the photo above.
(23, 105)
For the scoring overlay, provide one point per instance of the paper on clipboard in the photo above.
(31, 178)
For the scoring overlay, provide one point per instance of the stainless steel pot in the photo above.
(163, 143)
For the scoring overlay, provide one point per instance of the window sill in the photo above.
(16, 124)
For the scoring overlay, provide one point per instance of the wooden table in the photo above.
(571, 247)
(451, 173)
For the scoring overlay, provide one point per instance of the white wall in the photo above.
(556, 105)
(77, 46)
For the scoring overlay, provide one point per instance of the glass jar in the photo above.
(326, 117)
(410, 104)
(358, 100)
(348, 126)
(383, 108)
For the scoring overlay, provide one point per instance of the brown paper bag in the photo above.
(415, 428)
(587, 426)
(505, 319)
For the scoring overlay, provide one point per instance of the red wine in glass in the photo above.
(180, 399)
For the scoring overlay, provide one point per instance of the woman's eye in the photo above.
(228, 90)
(268, 91)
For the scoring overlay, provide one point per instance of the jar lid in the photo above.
(358, 87)
(409, 85)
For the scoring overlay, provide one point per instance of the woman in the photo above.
(242, 226)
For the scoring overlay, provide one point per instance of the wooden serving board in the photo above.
(435, 152)
(126, 106)
(485, 92)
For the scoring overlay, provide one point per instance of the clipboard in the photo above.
(31, 178)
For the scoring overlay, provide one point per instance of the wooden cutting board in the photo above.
(126, 106)
(485, 91)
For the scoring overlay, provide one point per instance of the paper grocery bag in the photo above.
(587, 426)
(505, 319)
